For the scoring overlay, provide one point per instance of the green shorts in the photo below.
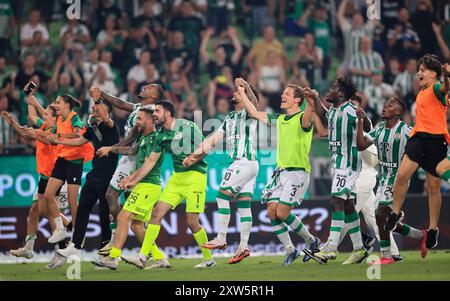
(189, 185)
(141, 200)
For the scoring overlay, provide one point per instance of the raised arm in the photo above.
(304, 18)
(367, 124)
(210, 102)
(248, 91)
(321, 130)
(76, 77)
(319, 109)
(32, 114)
(96, 94)
(362, 142)
(250, 108)
(204, 44)
(31, 100)
(54, 79)
(204, 148)
(103, 114)
(340, 15)
(446, 74)
(308, 113)
(442, 44)
(236, 56)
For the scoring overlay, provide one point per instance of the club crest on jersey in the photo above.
(177, 136)
(397, 136)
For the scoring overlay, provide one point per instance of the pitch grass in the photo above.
(268, 268)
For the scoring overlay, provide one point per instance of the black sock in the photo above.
(62, 244)
(366, 236)
(69, 226)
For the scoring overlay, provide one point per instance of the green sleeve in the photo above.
(273, 118)
(76, 122)
(39, 122)
(157, 143)
(439, 94)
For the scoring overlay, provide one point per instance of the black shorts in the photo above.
(43, 184)
(427, 151)
(67, 171)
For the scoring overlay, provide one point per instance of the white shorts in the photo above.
(62, 199)
(240, 177)
(344, 183)
(287, 187)
(365, 184)
(385, 194)
(125, 167)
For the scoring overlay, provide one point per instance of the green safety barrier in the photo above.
(18, 176)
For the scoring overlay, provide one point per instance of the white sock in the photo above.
(113, 227)
(29, 241)
(245, 214)
(59, 223)
(352, 223)
(223, 203)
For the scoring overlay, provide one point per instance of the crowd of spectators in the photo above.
(195, 49)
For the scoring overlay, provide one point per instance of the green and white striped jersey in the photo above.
(352, 37)
(390, 143)
(130, 121)
(240, 131)
(367, 62)
(342, 137)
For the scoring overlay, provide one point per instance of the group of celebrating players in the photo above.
(152, 131)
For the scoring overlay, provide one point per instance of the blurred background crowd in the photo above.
(195, 48)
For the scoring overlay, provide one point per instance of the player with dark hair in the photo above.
(102, 131)
(390, 137)
(137, 209)
(69, 163)
(179, 138)
(287, 187)
(239, 130)
(127, 164)
(345, 168)
(45, 161)
(427, 146)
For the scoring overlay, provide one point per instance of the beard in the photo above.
(160, 121)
